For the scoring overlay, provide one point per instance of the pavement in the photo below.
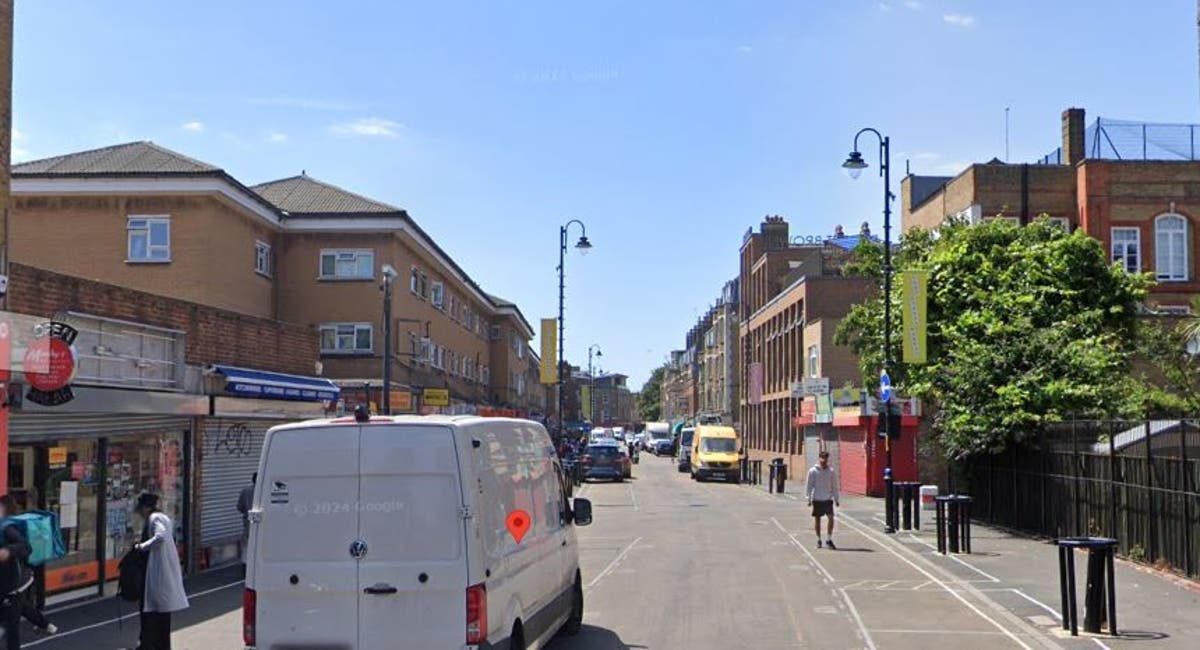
(670, 563)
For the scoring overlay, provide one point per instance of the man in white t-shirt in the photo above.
(822, 494)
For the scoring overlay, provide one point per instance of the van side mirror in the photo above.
(582, 511)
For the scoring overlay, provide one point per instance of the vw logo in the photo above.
(358, 550)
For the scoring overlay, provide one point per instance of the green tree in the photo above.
(650, 398)
(1026, 325)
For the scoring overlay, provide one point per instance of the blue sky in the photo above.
(668, 127)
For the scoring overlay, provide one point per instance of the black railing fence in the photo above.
(1138, 482)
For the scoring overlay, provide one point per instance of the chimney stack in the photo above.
(1073, 142)
(775, 232)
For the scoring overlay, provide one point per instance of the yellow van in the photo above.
(715, 453)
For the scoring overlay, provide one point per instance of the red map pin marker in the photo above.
(518, 524)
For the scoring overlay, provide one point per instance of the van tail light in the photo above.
(477, 622)
(249, 616)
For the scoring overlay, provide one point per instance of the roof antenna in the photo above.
(303, 172)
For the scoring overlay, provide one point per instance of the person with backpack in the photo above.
(14, 578)
(29, 608)
(163, 592)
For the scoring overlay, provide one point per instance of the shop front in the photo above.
(88, 460)
(862, 451)
(231, 441)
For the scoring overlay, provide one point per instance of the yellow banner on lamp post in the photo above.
(914, 293)
(549, 338)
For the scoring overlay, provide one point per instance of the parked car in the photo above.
(366, 532)
(603, 461)
(662, 446)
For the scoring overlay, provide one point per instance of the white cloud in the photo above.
(884, 7)
(370, 126)
(915, 5)
(745, 49)
(277, 137)
(194, 127)
(959, 20)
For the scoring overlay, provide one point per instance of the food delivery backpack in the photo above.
(42, 531)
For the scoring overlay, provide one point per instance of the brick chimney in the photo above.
(775, 232)
(1073, 143)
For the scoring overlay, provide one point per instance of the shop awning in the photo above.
(275, 385)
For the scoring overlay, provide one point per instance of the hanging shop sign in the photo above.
(53, 348)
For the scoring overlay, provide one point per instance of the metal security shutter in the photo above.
(56, 426)
(228, 453)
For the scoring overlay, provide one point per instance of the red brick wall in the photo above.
(213, 335)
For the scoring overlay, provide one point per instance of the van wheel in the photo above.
(517, 640)
(575, 620)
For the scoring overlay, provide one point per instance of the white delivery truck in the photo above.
(411, 532)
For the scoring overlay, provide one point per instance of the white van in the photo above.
(390, 532)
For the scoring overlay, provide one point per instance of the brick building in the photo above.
(1131, 185)
(207, 311)
(793, 295)
(718, 364)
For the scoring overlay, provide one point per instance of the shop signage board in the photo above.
(437, 397)
(58, 457)
(401, 400)
(54, 350)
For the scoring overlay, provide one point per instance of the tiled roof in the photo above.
(130, 158)
(305, 195)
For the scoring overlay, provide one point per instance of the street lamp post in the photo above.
(854, 165)
(389, 274)
(592, 380)
(584, 246)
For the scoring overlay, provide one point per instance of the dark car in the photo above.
(663, 446)
(603, 461)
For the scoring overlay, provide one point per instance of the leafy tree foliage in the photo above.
(650, 398)
(1027, 325)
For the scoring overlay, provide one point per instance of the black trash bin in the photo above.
(954, 523)
(1101, 584)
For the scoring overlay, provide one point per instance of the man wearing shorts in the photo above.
(822, 494)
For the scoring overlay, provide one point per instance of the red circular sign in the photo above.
(58, 359)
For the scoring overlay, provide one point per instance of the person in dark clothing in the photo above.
(14, 576)
(29, 608)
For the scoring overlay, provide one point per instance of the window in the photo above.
(453, 308)
(1061, 222)
(347, 264)
(262, 258)
(814, 359)
(438, 295)
(1170, 247)
(1127, 248)
(414, 281)
(424, 288)
(345, 338)
(465, 371)
(485, 375)
(149, 239)
(1016, 221)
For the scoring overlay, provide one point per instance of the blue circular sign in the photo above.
(885, 387)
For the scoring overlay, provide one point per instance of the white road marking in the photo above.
(132, 614)
(982, 632)
(858, 621)
(1101, 643)
(611, 565)
(991, 578)
(633, 497)
(887, 547)
(1038, 603)
(800, 546)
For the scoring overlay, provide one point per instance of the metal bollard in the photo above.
(1101, 584)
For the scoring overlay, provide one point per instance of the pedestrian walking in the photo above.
(822, 494)
(164, 577)
(244, 503)
(14, 579)
(28, 600)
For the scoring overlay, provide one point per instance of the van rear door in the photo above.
(414, 575)
(305, 577)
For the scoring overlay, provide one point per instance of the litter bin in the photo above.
(1101, 584)
(778, 475)
(906, 496)
(954, 523)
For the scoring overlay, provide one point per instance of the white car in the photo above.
(387, 532)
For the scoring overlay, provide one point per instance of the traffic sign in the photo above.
(885, 386)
